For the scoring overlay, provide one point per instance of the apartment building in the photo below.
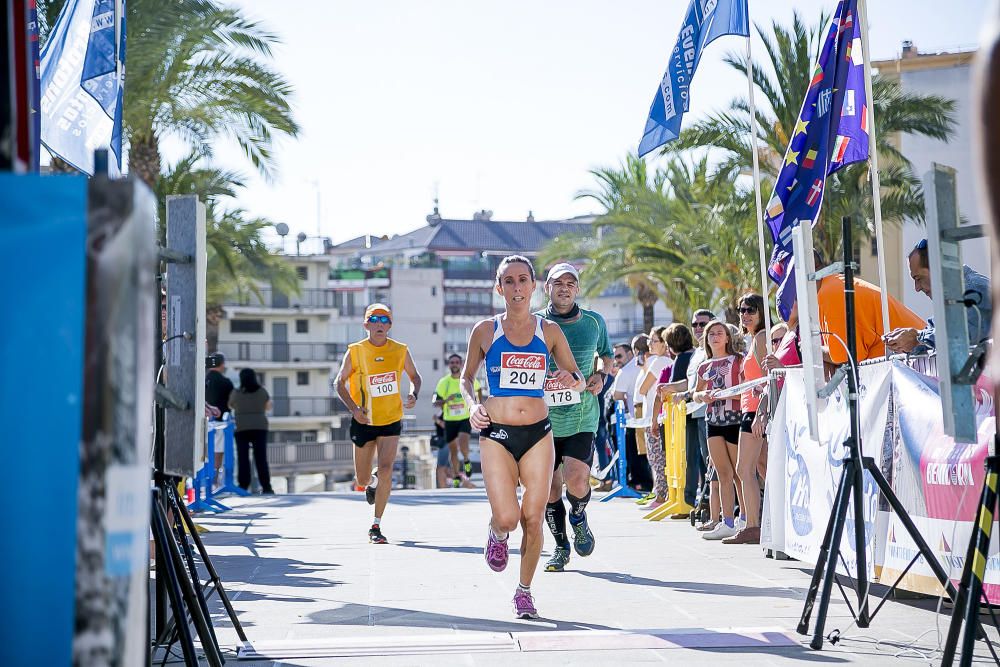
(286, 339)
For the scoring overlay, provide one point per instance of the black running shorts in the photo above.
(362, 434)
(453, 428)
(517, 439)
(579, 446)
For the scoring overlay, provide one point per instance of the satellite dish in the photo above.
(301, 237)
(282, 229)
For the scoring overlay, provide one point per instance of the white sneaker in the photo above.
(720, 532)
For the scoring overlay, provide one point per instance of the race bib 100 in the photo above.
(522, 370)
(383, 384)
(557, 394)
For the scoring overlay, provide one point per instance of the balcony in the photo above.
(307, 406)
(244, 351)
(623, 330)
(470, 309)
(270, 298)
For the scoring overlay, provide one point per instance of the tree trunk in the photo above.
(647, 316)
(647, 297)
(213, 317)
(144, 159)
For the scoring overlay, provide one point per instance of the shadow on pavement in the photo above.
(273, 571)
(411, 544)
(703, 587)
(367, 615)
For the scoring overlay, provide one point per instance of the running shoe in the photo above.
(558, 561)
(524, 606)
(457, 482)
(370, 490)
(646, 499)
(467, 467)
(375, 535)
(583, 539)
(496, 553)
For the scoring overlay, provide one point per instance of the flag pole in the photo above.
(873, 165)
(756, 187)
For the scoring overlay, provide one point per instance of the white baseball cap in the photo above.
(561, 268)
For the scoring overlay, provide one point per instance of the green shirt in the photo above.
(455, 409)
(587, 335)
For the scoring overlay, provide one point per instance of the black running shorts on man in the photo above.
(453, 428)
(362, 434)
(517, 439)
(579, 446)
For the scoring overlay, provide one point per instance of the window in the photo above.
(435, 364)
(301, 326)
(302, 272)
(434, 327)
(246, 326)
(302, 378)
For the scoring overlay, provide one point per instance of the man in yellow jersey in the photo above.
(369, 385)
(448, 397)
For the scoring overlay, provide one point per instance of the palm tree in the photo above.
(658, 236)
(238, 260)
(782, 80)
(198, 71)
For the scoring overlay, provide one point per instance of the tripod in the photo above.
(970, 588)
(851, 487)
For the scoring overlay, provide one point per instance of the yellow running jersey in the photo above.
(376, 377)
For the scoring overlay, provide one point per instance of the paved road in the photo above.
(310, 590)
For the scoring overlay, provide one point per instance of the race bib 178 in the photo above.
(522, 370)
(383, 384)
(556, 394)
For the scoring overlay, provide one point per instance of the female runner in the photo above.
(515, 437)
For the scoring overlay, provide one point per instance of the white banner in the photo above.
(803, 473)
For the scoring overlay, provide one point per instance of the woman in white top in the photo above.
(658, 359)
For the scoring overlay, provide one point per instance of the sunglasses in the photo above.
(776, 341)
(699, 325)
(746, 311)
(380, 319)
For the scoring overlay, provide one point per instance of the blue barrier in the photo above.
(622, 489)
(205, 478)
(229, 462)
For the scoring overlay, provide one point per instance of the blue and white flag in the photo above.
(706, 21)
(81, 82)
(831, 132)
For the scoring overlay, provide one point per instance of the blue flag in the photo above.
(706, 21)
(81, 83)
(831, 132)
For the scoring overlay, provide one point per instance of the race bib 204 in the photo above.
(522, 370)
(383, 384)
(557, 394)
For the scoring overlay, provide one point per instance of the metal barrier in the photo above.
(204, 479)
(621, 489)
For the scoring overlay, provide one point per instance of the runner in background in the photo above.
(369, 385)
(574, 415)
(448, 397)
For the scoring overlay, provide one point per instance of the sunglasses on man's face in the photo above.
(380, 319)
(699, 325)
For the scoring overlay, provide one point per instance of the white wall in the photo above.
(954, 83)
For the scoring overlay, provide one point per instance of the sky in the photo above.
(504, 106)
